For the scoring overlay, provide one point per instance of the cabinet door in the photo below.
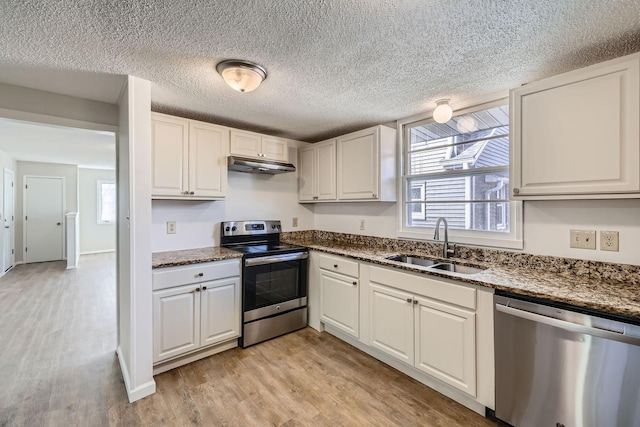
(208, 160)
(220, 311)
(245, 143)
(339, 302)
(445, 344)
(169, 154)
(326, 170)
(391, 322)
(176, 321)
(578, 133)
(307, 174)
(274, 149)
(358, 166)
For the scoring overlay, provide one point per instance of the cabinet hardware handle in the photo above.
(192, 193)
(335, 265)
(374, 195)
(204, 288)
(516, 191)
(58, 223)
(355, 283)
(415, 301)
(199, 274)
(197, 289)
(409, 299)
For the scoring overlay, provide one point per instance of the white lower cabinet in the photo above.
(339, 294)
(439, 331)
(176, 315)
(435, 337)
(197, 315)
(391, 322)
(445, 345)
(339, 302)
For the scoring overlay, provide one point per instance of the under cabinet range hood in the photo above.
(248, 165)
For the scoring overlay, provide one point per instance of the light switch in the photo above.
(582, 239)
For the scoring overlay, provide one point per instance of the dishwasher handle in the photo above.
(568, 326)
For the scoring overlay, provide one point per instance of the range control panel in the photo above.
(249, 228)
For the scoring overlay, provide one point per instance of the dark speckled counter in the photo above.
(192, 256)
(564, 281)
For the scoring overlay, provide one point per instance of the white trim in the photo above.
(6, 171)
(139, 392)
(24, 213)
(454, 394)
(102, 251)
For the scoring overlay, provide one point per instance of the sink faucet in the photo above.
(436, 236)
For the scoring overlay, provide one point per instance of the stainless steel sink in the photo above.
(456, 268)
(413, 260)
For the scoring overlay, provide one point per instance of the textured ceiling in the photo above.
(34, 142)
(333, 65)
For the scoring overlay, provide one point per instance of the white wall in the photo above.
(94, 237)
(249, 196)
(70, 174)
(45, 105)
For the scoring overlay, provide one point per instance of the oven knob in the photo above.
(234, 228)
(278, 227)
(227, 229)
(273, 226)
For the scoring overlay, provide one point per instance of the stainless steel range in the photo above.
(274, 280)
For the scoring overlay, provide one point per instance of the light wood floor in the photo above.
(58, 368)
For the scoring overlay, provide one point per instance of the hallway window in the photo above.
(106, 202)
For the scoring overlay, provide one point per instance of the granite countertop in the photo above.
(192, 256)
(610, 296)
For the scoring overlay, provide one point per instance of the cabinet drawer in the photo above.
(340, 265)
(439, 289)
(183, 275)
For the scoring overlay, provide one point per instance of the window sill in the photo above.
(491, 242)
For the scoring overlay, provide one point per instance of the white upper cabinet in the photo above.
(367, 165)
(317, 176)
(250, 144)
(188, 158)
(360, 166)
(576, 135)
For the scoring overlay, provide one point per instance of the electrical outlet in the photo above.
(362, 224)
(582, 239)
(609, 241)
(171, 227)
(294, 221)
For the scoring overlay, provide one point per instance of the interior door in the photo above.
(43, 218)
(8, 213)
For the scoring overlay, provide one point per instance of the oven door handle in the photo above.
(275, 258)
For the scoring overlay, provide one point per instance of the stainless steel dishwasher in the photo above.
(557, 367)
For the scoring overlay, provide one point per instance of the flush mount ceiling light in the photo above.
(443, 111)
(243, 76)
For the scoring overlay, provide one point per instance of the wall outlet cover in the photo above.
(609, 241)
(171, 227)
(582, 239)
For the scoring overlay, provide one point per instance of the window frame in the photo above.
(99, 184)
(511, 240)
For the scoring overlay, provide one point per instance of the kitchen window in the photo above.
(459, 170)
(106, 202)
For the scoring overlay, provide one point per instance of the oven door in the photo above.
(274, 283)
